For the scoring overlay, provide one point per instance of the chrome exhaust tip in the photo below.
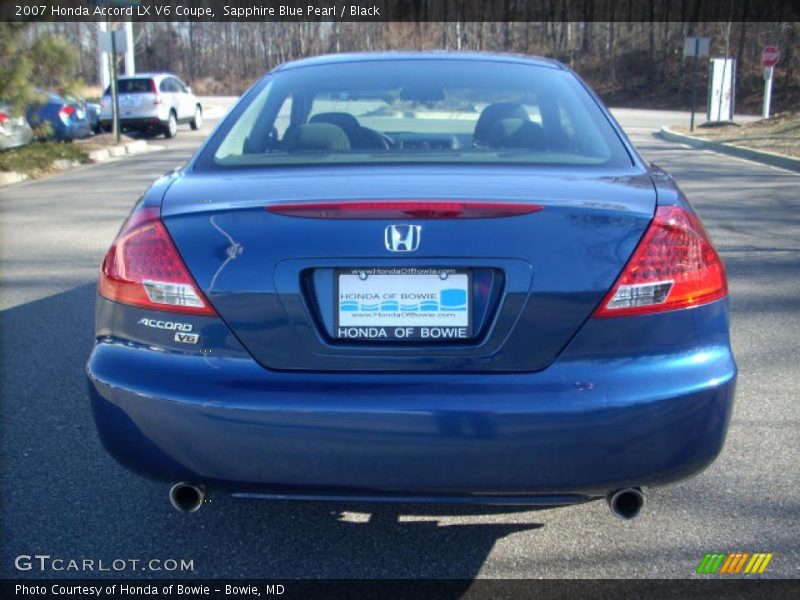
(626, 503)
(186, 497)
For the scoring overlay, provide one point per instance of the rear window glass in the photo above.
(417, 111)
(133, 86)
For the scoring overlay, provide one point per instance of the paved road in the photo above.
(62, 496)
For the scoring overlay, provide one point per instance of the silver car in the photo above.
(153, 103)
(14, 130)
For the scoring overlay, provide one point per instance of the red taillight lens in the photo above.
(66, 112)
(143, 268)
(3, 117)
(154, 89)
(404, 209)
(674, 266)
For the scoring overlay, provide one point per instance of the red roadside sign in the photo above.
(770, 56)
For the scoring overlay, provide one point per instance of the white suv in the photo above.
(153, 103)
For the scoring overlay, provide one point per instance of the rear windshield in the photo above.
(134, 86)
(417, 111)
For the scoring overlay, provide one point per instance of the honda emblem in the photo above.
(402, 238)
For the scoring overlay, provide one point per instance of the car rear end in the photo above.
(142, 107)
(93, 115)
(14, 130)
(429, 329)
(73, 121)
(63, 119)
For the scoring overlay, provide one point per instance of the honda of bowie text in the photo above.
(428, 277)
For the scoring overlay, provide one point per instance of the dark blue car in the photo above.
(414, 277)
(65, 119)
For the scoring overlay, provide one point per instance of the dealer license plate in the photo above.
(403, 303)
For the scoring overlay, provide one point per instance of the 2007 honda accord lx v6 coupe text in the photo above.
(422, 277)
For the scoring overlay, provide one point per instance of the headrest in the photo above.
(496, 112)
(515, 133)
(316, 136)
(341, 119)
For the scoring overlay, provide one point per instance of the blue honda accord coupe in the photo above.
(414, 277)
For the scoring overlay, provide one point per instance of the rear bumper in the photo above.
(73, 131)
(16, 138)
(137, 124)
(574, 431)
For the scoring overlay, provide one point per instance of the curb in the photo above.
(95, 156)
(9, 177)
(760, 156)
(104, 154)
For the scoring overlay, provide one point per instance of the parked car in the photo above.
(92, 110)
(429, 277)
(14, 131)
(66, 119)
(153, 103)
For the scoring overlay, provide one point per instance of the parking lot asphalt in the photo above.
(61, 495)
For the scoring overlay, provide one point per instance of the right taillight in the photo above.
(674, 266)
(66, 112)
(143, 268)
(154, 90)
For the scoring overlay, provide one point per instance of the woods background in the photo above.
(628, 63)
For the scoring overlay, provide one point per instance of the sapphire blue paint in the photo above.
(545, 405)
(47, 113)
(554, 265)
(616, 409)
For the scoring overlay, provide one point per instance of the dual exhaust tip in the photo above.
(626, 503)
(186, 497)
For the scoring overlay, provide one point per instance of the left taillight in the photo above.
(143, 268)
(674, 266)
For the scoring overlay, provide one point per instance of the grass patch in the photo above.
(780, 134)
(37, 158)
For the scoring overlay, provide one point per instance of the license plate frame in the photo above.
(442, 323)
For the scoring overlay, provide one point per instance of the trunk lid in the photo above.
(533, 279)
(137, 104)
(137, 97)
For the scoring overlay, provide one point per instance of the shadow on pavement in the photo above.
(63, 496)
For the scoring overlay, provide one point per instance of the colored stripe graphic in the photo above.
(701, 568)
(728, 562)
(741, 562)
(732, 563)
(758, 563)
(710, 563)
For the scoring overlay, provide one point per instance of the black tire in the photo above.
(197, 120)
(171, 129)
